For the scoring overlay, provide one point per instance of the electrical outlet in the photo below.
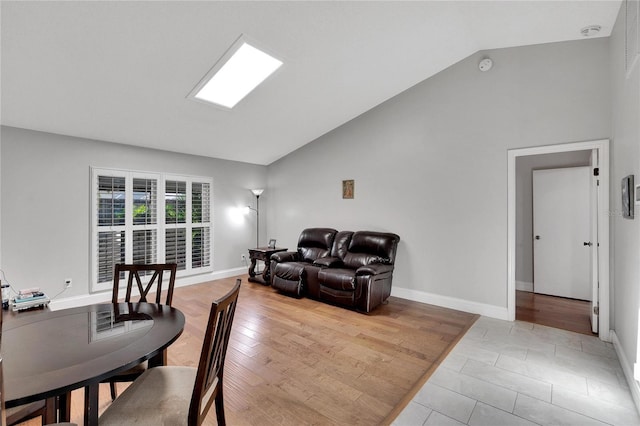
(68, 282)
(243, 257)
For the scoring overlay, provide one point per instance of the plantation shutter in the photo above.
(201, 214)
(175, 202)
(145, 221)
(111, 224)
(176, 247)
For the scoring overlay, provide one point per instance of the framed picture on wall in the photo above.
(628, 197)
(347, 189)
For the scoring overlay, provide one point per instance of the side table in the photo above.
(264, 254)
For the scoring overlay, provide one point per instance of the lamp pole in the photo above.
(257, 220)
(257, 193)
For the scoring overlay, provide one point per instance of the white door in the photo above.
(561, 229)
(595, 281)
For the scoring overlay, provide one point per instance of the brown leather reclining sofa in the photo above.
(347, 268)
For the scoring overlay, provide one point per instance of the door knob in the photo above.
(588, 244)
(537, 237)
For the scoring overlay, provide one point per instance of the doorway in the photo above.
(520, 240)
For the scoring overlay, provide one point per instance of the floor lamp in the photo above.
(257, 193)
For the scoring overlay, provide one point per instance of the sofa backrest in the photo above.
(368, 247)
(341, 244)
(315, 243)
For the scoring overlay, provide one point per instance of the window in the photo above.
(129, 226)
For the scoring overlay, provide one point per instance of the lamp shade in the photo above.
(257, 192)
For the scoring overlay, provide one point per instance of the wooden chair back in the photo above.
(134, 271)
(208, 385)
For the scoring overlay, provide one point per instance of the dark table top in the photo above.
(267, 249)
(47, 353)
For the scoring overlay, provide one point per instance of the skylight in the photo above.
(239, 72)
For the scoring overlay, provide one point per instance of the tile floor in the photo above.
(519, 373)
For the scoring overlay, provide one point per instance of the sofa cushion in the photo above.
(367, 248)
(310, 254)
(337, 278)
(341, 244)
(315, 243)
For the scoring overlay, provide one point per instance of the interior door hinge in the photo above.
(596, 310)
(596, 171)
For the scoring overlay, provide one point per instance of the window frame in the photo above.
(160, 226)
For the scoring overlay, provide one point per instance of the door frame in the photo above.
(602, 146)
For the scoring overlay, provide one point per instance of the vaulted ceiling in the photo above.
(121, 71)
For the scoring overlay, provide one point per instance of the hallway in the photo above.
(566, 314)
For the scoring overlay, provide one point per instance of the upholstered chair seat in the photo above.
(160, 396)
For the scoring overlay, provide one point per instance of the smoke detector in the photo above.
(590, 30)
(485, 64)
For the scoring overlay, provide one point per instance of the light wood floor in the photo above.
(299, 361)
(566, 314)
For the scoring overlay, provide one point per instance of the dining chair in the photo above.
(132, 275)
(181, 395)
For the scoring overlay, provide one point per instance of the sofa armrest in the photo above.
(285, 256)
(329, 262)
(374, 269)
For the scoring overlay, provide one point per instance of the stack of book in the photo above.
(29, 298)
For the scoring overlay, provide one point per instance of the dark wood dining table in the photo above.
(47, 354)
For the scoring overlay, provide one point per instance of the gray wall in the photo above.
(431, 163)
(524, 205)
(625, 233)
(45, 204)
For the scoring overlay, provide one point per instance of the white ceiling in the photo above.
(121, 71)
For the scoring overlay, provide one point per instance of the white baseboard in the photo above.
(82, 300)
(451, 303)
(524, 286)
(627, 367)
(105, 296)
(215, 275)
